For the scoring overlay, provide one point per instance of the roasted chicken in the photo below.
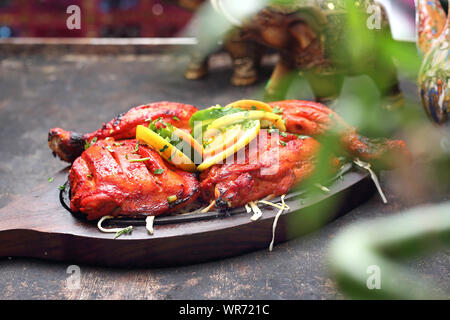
(117, 176)
(69, 145)
(315, 119)
(271, 167)
(123, 178)
(235, 184)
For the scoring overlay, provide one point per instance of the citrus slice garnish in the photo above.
(233, 118)
(202, 118)
(250, 105)
(189, 140)
(242, 134)
(216, 140)
(164, 148)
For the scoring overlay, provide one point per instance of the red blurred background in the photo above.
(123, 18)
(99, 18)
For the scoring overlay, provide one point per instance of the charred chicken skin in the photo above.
(69, 145)
(272, 166)
(315, 119)
(123, 178)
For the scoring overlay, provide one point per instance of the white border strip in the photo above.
(102, 41)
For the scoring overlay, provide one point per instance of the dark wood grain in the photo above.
(37, 225)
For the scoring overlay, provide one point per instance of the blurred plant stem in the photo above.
(383, 243)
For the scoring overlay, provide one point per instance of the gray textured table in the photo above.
(38, 92)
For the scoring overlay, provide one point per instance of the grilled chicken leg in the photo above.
(69, 145)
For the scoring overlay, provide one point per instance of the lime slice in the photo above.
(208, 115)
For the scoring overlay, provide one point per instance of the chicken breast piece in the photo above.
(272, 165)
(126, 179)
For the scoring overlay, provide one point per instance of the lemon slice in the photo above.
(189, 139)
(164, 148)
(217, 140)
(227, 120)
(250, 105)
(244, 136)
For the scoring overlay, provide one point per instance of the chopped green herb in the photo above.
(283, 143)
(159, 171)
(283, 134)
(109, 149)
(172, 198)
(160, 127)
(123, 231)
(164, 148)
(50, 180)
(87, 144)
(126, 156)
(118, 144)
(249, 124)
(136, 148)
(176, 118)
(321, 187)
(137, 160)
(277, 110)
(62, 187)
(89, 175)
(111, 131)
(253, 108)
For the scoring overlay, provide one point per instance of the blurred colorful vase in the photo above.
(434, 43)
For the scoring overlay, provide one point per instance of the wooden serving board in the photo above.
(38, 225)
